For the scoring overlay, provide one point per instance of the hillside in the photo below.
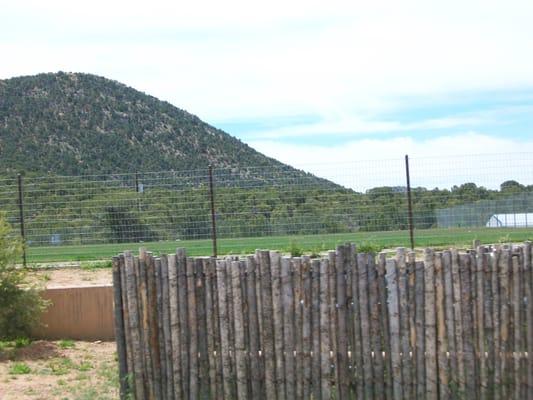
(73, 124)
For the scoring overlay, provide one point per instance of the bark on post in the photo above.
(240, 349)
(394, 321)
(161, 336)
(385, 326)
(298, 323)
(183, 320)
(468, 332)
(193, 329)
(212, 324)
(288, 326)
(120, 335)
(442, 343)
(341, 265)
(420, 331)
(325, 330)
(224, 329)
(167, 327)
(133, 309)
(307, 337)
(315, 329)
(458, 320)
(203, 359)
(253, 326)
(267, 325)
(362, 266)
(277, 308)
(375, 330)
(407, 368)
(430, 325)
(481, 262)
(528, 280)
(357, 354)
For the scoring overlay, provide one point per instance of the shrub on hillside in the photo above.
(20, 302)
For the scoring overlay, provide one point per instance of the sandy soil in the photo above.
(59, 370)
(68, 277)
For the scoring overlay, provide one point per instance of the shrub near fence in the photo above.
(347, 325)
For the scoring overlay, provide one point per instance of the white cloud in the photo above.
(439, 162)
(239, 59)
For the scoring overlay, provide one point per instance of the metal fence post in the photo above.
(213, 220)
(21, 218)
(409, 203)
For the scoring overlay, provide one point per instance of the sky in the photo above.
(329, 87)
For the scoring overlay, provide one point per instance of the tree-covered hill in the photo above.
(74, 124)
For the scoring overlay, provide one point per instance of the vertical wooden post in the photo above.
(253, 326)
(224, 329)
(125, 308)
(298, 323)
(288, 326)
(277, 308)
(341, 265)
(430, 325)
(213, 347)
(375, 329)
(315, 328)
(307, 337)
(495, 286)
(468, 328)
(357, 352)
(240, 350)
(193, 331)
(420, 349)
(183, 320)
(528, 277)
(407, 368)
(394, 321)
(384, 323)
(442, 343)
(201, 318)
(516, 299)
(160, 329)
(458, 320)
(120, 336)
(480, 267)
(267, 325)
(167, 325)
(412, 308)
(362, 266)
(133, 309)
(325, 330)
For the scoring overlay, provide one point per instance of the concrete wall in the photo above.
(82, 313)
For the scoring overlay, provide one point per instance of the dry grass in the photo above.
(58, 370)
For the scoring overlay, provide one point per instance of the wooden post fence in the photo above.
(349, 325)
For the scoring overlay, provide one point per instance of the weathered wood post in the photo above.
(120, 335)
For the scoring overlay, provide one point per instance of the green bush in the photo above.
(20, 302)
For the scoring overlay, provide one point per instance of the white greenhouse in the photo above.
(517, 220)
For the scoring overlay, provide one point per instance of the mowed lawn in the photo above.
(437, 238)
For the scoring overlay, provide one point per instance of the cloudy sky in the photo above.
(314, 84)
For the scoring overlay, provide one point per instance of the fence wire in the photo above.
(453, 199)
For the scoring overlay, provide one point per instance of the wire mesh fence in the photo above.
(453, 200)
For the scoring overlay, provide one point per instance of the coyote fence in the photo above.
(348, 325)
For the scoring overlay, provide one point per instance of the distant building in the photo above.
(519, 220)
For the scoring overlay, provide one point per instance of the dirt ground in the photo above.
(70, 277)
(58, 370)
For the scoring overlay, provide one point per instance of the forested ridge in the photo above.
(82, 124)
(79, 124)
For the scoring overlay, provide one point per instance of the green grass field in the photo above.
(437, 238)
